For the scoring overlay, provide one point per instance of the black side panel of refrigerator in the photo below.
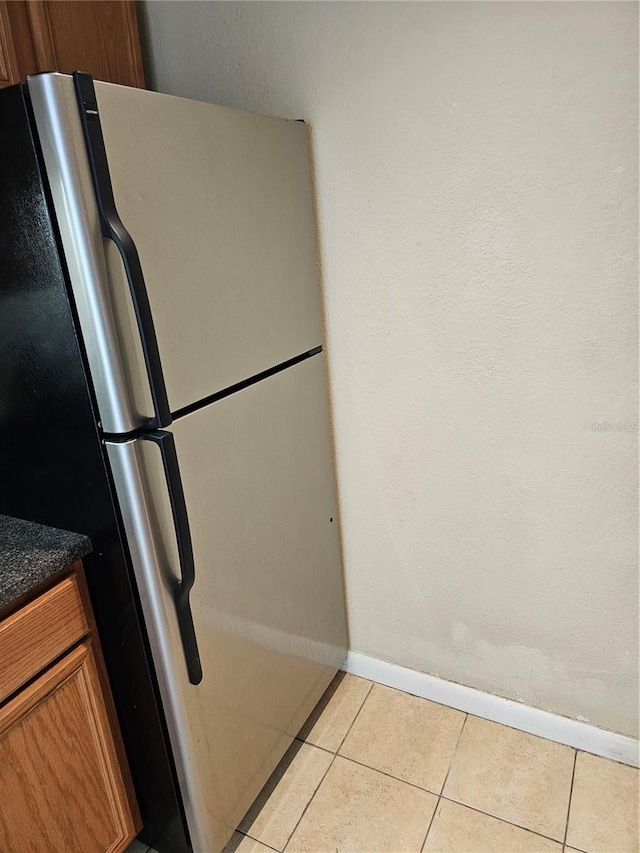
(52, 467)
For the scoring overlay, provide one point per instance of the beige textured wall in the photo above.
(477, 182)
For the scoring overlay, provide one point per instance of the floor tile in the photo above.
(512, 775)
(358, 810)
(243, 844)
(458, 829)
(409, 738)
(604, 806)
(274, 815)
(329, 723)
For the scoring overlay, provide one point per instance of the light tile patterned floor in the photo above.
(375, 770)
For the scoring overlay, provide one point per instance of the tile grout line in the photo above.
(446, 776)
(502, 820)
(453, 754)
(433, 817)
(573, 776)
(388, 775)
(264, 844)
(311, 799)
(364, 702)
(335, 754)
(314, 745)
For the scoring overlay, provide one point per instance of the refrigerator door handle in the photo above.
(182, 588)
(112, 228)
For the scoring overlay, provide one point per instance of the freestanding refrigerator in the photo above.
(186, 284)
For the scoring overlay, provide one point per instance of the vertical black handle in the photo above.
(113, 228)
(182, 588)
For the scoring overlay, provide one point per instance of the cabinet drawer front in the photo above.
(38, 633)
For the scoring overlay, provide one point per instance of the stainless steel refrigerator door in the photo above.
(267, 601)
(218, 203)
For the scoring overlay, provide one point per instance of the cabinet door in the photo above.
(97, 36)
(100, 38)
(17, 58)
(61, 784)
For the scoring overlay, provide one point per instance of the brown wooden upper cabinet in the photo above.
(96, 36)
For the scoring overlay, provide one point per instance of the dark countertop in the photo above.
(31, 553)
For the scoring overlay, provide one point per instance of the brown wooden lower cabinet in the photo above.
(64, 782)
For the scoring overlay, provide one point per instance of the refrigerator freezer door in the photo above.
(218, 204)
(267, 601)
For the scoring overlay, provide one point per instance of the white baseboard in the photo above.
(514, 714)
